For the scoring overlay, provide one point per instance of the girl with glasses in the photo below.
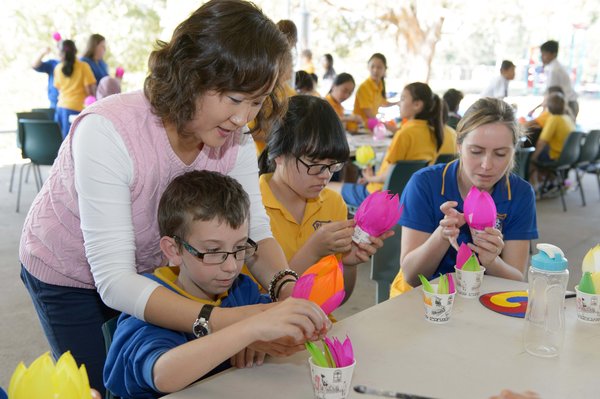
(307, 219)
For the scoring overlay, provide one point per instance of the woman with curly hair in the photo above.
(92, 230)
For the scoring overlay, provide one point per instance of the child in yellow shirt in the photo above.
(307, 219)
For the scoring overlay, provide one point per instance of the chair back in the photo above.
(590, 147)
(597, 157)
(570, 152)
(400, 173)
(445, 158)
(386, 261)
(27, 115)
(41, 140)
(108, 330)
(48, 111)
(522, 159)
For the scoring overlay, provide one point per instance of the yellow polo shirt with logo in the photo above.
(414, 141)
(368, 96)
(555, 132)
(292, 235)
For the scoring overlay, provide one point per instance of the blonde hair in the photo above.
(485, 111)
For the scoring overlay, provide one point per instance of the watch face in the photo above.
(201, 328)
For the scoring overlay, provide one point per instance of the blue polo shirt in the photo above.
(99, 68)
(430, 187)
(47, 67)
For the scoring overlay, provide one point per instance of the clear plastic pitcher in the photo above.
(545, 319)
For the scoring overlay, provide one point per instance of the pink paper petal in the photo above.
(348, 352)
(304, 286)
(379, 212)
(451, 287)
(333, 302)
(333, 350)
(464, 253)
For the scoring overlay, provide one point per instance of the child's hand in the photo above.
(332, 238)
(362, 252)
(488, 245)
(296, 318)
(452, 221)
(506, 394)
(281, 347)
(248, 357)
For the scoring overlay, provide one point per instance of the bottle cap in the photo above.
(550, 258)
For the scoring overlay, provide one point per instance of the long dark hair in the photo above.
(432, 110)
(382, 58)
(341, 79)
(225, 45)
(310, 128)
(93, 42)
(68, 50)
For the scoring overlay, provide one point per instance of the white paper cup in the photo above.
(468, 284)
(438, 307)
(331, 382)
(588, 306)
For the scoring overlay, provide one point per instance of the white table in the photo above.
(475, 355)
(357, 140)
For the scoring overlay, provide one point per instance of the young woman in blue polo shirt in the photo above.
(487, 137)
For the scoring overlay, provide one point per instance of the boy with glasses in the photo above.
(203, 221)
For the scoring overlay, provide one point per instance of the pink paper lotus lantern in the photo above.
(378, 213)
(479, 209)
(372, 122)
(342, 353)
(56, 36)
(322, 283)
(119, 72)
(89, 100)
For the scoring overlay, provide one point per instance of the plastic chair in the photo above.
(48, 111)
(522, 160)
(41, 141)
(23, 115)
(445, 158)
(560, 167)
(589, 159)
(385, 264)
(108, 330)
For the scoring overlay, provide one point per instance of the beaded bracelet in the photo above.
(276, 278)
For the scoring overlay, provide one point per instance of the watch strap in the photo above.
(200, 327)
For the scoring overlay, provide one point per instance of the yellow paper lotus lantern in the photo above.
(46, 380)
(365, 156)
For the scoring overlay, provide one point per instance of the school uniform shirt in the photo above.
(72, 88)
(414, 141)
(556, 75)
(449, 144)
(555, 132)
(47, 67)
(292, 235)
(542, 118)
(99, 68)
(498, 88)
(337, 107)
(137, 345)
(430, 187)
(368, 96)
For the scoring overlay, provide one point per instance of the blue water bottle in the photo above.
(545, 318)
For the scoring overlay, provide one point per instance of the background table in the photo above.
(475, 355)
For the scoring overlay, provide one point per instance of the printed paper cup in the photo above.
(468, 284)
(588, 306)
(331, 382)
(438, 307)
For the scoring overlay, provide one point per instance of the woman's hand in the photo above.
(332, 238)
(488, 245)
(452, 221)
(362, 252)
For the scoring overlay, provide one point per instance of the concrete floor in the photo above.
(21, 338)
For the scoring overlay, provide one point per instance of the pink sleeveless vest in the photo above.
(52, 247)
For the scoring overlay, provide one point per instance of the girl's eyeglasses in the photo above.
(218, 257)
(319, 168)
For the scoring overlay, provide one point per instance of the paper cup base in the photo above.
(438, 307)
(588, 306)
(331, 383)
(468, 284)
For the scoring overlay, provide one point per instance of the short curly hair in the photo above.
(225, 45)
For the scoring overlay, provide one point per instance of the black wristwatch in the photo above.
(200, 327)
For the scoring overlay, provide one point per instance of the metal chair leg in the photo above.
(12, 177)
(580, 187)
(20, 185)
(561, 184)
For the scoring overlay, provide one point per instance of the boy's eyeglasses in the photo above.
(216, 258)
(318, 168)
